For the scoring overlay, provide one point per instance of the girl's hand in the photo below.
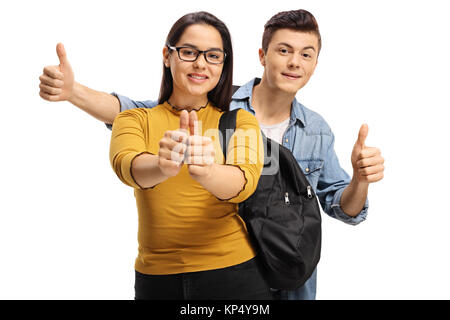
(172, 148)
(200, 152)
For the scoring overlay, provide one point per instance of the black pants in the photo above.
(240, 282)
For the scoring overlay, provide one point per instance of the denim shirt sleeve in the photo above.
(127, 104)
(332, 182)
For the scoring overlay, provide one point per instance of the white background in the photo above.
(68, 226)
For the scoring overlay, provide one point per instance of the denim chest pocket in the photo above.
(311, 169)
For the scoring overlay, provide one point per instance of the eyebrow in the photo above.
(288, 45)
(195, 47)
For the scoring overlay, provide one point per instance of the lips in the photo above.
(197, 76)
(291, 76)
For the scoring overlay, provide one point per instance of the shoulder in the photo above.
(132, 114)
(247, 122)
(315, 123)
(139, 114)
(245, 118)
(132, 118)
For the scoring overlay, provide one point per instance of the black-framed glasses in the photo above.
(213, 56)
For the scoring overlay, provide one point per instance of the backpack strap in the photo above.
(227, 124)
(227, 121)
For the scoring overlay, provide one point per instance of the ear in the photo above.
(262, 57)
(166, 57)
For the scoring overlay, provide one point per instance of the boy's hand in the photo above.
(57, 82)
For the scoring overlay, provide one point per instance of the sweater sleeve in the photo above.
(128, 140)
(246, 151)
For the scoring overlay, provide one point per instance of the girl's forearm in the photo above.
(224, 181)
(145, 170)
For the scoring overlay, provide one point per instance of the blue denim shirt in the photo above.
(311, 141)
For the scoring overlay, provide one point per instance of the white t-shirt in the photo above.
(275, 131)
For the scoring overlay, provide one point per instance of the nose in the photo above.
(201, 62)
(294, 61)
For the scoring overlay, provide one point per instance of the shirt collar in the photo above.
(245, 93)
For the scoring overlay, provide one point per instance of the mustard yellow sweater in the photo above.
(182, 226)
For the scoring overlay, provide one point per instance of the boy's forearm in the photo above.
(101, 105)
(354, 197)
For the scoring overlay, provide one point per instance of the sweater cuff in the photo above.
(126, 170)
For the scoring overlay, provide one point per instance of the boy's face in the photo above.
(290, 60)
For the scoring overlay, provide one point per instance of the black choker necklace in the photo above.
(188, 108)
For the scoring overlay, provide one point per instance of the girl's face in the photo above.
(192, 80)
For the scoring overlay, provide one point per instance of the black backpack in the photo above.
(282, 216)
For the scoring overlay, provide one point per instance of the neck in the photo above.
(186, 101)
(271, 105)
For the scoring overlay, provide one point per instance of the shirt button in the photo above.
(307, 169)
(287, 140)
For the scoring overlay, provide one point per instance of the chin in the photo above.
(197, 91)
(289, 87)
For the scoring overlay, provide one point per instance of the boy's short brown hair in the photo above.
(299, 20)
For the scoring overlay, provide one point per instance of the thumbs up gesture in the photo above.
(186, 145)
(172, 147)
(367, 162)
(57, 82)
(200, 151)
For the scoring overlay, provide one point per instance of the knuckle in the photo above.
(58, 84)
(164, 142)
(49, 70)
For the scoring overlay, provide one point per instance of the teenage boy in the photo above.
(290, 47)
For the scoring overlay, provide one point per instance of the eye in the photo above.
(213, 56)
(283, 51)
(188, 52)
